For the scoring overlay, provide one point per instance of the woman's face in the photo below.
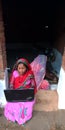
(21, 69)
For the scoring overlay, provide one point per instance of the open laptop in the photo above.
(18, 95)
(22, 95)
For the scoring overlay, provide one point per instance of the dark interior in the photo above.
(30, 27)
(30, 22)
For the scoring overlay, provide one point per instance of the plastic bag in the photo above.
(39, 68)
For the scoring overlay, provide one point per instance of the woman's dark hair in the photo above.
(22, 61)
(16, 65)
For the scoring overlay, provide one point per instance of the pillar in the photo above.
(3, 62)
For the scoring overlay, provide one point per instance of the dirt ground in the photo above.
(40, 121)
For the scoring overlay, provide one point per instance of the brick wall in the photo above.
(3, 63)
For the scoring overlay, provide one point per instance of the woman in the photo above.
(21, 77)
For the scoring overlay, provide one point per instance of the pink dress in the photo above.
(19, 112)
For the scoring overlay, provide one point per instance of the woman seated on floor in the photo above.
(21, 77)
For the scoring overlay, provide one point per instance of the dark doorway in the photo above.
(29, 27)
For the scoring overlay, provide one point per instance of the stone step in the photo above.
(46, 100)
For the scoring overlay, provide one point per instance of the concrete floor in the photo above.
(40, 121)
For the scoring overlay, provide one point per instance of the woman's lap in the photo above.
(19, 111)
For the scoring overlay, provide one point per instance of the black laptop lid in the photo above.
(23, 95)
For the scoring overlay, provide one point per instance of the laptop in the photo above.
(22, 95)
